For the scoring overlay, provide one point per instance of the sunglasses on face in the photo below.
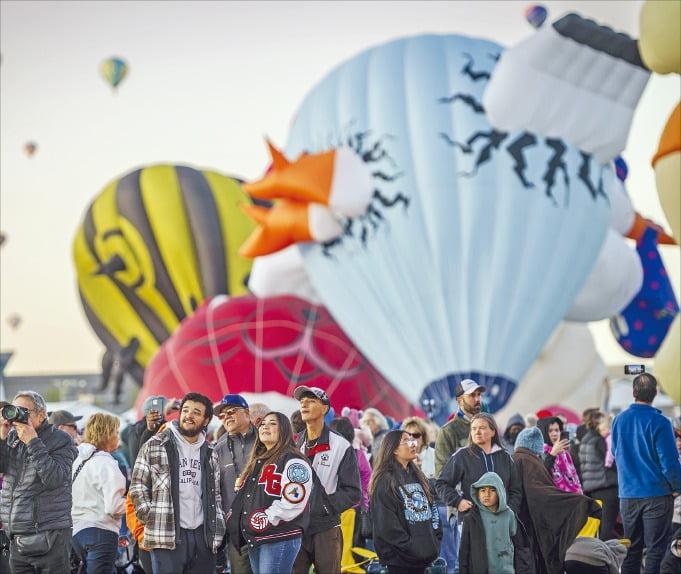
(73, 426)
(408, 442)
(228, 413)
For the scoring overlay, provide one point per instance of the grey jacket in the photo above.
(233, 453)
(36, 489)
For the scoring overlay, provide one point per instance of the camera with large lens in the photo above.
(14, 414)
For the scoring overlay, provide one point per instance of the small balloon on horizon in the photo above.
(30, 148)
(535, 15)
(13, 320)
(114, 70)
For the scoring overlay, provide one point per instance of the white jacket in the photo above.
(98, 491)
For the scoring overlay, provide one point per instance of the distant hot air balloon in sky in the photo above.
(14, 320)
(536, 15)
(475, 242)
(114, 71)
(30, 148)
(152, 246)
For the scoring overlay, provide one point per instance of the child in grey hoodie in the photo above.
(488, 527)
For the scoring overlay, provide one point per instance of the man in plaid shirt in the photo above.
(175, 489)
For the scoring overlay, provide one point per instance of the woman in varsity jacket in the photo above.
(271, 510)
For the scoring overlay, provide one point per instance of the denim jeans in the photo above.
(191, 555)
(55, 561)
(97, 548)
(451, 538)
(647, 523)
(275, 557)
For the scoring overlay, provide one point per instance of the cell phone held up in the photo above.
(564, 435)
(634, 369)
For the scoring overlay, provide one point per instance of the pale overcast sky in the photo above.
(208, 80)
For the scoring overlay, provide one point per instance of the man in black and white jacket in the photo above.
(336, 484)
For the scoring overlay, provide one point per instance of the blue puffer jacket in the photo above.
(36, 489)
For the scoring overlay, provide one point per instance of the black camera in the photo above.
(634, 369)
(14, 414)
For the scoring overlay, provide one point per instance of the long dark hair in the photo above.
(284, 446)
(384, 466)
(544, 424)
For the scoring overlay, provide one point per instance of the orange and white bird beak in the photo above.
(285, 223)
(311, 195)
(337, 178)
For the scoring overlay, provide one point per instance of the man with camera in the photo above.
(35, 509)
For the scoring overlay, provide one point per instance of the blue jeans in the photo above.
(647, 523)
(97, 548)
(449, 548)
(55, 561)
(275, 556)
(191, 555)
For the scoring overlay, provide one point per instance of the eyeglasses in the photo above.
(73, 426)
(229, 412)
(415, 434)
(409, 442)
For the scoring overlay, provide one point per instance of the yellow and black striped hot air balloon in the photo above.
(152, 246)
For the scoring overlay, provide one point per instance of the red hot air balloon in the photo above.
(258, 345)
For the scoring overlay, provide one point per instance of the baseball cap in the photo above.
(230, 401)
(58, 418)
(468, 386)
(150, 405)
(316, 391)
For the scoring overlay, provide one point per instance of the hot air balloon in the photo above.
(573, 80)
(475, 242)
(263, 345)
(152, 246)
(114, 71)
(536, 15)
(642, 326)
(13, 320)
(30, 148)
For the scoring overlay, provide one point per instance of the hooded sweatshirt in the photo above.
(507, 440)
(191, 508)
(98, 491)
(490, 548)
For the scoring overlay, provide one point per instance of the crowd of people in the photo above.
(269, 493)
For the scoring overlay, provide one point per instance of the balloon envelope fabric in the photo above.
(642, 326)
(152, 246)
(258, 345)
(476, 241)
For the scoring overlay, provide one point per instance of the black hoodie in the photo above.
(407, 529)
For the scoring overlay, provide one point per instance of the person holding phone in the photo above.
(557, 458)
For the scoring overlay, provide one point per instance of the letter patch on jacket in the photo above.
(298, 473)
(271, 479)
(294, 492)
(259, 521)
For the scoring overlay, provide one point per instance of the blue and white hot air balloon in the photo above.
(475, 242)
